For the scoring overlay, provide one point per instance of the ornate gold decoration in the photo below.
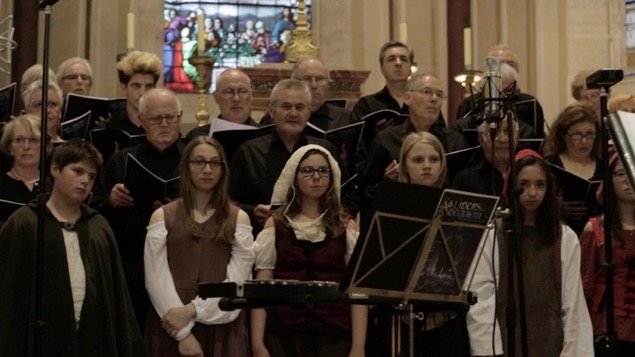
(204, 66)
(301, 42)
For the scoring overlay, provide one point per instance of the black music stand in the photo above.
(419, 244)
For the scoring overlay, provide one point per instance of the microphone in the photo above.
(491, 94)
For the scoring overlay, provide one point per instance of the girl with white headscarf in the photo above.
(308, 238)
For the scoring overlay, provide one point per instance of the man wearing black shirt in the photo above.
(395, 61)
(138, 73)
(257, 164)
(160, 115)
(425, 98)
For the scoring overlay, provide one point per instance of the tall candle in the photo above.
(130, 33)
(403, 33)
(467, 47)
(201, 35)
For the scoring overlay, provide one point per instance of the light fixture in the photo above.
(467, 78)
(413, 68)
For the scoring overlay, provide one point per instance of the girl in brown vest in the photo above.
(558, 322)
(200, 237)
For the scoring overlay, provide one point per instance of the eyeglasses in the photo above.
(20, 140)
(307, 172)
(320, 80)
(579, 136)
(51, 105)
(230, 93)
(620, 175)
(158, 119)
(200, 164)
(500, 134)
(429, 92)
(73, 77)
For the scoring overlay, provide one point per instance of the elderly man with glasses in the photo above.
(129, 212)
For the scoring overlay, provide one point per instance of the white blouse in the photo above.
(312, 231)
(160, 284)
(578, 332)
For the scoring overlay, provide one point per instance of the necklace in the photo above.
(15, 175)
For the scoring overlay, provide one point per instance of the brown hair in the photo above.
(573, 114)
(329, 203)
(219, 199)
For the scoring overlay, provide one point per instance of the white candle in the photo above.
(403, 33)
(467, 47)
(130, 33)
(201, 35)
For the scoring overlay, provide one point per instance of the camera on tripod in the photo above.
(605, 77)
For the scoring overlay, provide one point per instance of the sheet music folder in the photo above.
(419, 249)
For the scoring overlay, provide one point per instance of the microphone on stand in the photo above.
(492, 94)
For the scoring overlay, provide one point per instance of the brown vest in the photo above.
(542, 278)
(194, 260)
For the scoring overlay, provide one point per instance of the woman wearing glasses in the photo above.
(574, 145)
(32, 98)
(593, 273)
(200, 237)
(21, 141)
(308, 239)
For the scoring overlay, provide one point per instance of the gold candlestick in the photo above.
(301, 43)
(204, 66)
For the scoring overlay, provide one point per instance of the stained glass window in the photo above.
(238, 33)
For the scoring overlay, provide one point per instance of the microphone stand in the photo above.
(40, 324)
(513, 227)
(607, 343)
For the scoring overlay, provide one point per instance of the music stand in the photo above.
(622, 128)
(419, 243)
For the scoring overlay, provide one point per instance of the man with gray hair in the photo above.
(313, 72)
(488, 174)
(75, 76)
(160, 115)
(424, 98)
(257, 164)
(531, 111)
(509, 79)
